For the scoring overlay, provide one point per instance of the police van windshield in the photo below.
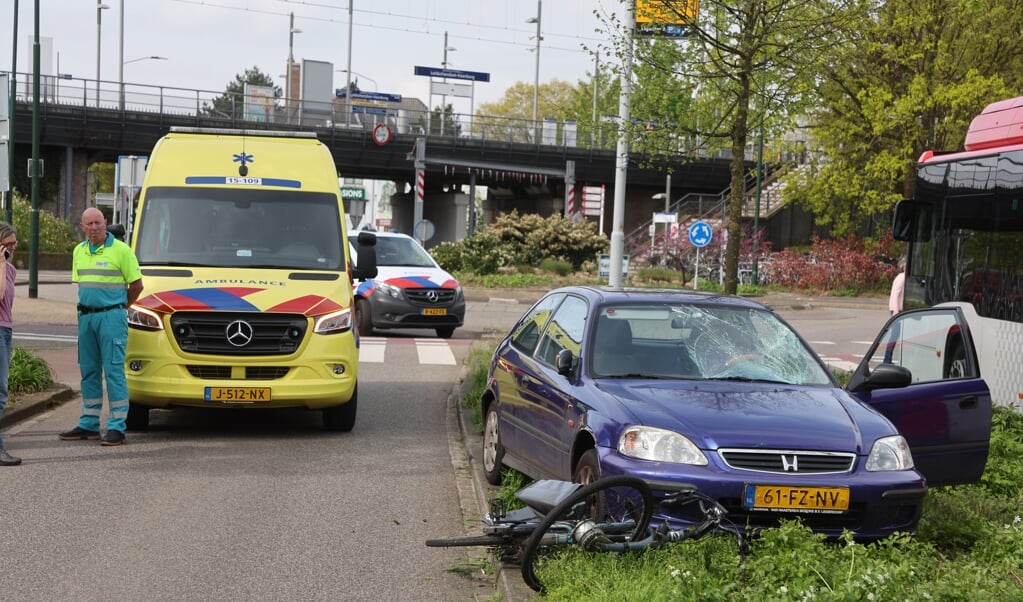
(239, 228)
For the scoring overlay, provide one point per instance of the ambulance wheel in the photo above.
(341, 418)
(138, 417)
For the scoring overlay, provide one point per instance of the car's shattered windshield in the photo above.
(706, 342)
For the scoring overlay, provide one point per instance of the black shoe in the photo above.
(79, 434)
(7, 459)
(112, 438)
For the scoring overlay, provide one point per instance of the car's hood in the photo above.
(745, 415)
(409, 277)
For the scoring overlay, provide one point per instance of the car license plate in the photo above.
(435, 311)
(238, 394)
(807, 499)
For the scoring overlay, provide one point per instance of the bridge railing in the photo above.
(411, 116)
(235, 110)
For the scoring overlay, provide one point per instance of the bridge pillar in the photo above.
(449, 212)
(75, 184)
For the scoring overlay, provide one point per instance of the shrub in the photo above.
(556, 266)
(55, 234)
(831, 265)
(515, 239)
(29, 373)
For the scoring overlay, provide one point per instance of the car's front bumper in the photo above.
(880, 503)
(390, 312)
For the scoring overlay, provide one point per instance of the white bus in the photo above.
(964, 227)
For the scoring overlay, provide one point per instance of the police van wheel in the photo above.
(341, 418)
(364, 318)
(138, 417)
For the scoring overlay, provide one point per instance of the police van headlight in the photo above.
(144, 319)
(337, 321)
(389, 290)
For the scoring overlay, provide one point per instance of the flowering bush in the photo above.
(839, 264)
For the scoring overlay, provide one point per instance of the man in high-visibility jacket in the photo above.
(109, 281)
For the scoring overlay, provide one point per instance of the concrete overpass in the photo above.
(81, 129)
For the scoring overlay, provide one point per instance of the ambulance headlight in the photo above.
(337, 321)
(144, 319)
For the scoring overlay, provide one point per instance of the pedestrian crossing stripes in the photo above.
(839, 363)
(373, 350)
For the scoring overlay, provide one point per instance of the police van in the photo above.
(241, 237)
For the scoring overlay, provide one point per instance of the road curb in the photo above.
(26, 405)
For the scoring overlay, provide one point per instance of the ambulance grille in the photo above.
(238, 333)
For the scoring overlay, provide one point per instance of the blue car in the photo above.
(719, 392)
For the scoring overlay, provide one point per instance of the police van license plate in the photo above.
(781, 497)
(238, 394)
(435, 311)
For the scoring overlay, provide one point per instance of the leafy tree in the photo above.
(511, 117)
(231, 104)
(444, 122)
(905, 79)
(740, 64)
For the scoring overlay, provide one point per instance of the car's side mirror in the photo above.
(564, 362)
(886, 376)
(366, 263)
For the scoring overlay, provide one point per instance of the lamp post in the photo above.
(100, 7)
(536, 76)
(292, 30)
(120, 62)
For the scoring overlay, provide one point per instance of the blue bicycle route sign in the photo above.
(700, 234)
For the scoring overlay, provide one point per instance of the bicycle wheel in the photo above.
(629, 505)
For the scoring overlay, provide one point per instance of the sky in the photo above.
(207, 43)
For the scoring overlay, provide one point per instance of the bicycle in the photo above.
(559, 515)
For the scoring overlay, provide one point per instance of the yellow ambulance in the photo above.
(241, 237)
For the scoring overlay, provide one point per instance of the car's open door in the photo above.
(922, 373)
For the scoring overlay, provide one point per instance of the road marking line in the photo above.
(371, 351)
(434, 352)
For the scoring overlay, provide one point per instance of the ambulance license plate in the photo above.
(238, 394)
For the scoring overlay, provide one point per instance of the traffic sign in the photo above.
(475, 76)
(700, 234)
(374, 96)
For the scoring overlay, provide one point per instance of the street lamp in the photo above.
(376, 88)
(146, 58)
(100, 7)
(536, 77)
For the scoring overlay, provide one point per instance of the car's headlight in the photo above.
(890, 453)
(647, 443)
(144, 319)
(388, 289)
(333, 322)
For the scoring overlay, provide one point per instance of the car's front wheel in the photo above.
(446, 332)
(587, 470)
(493, 451)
